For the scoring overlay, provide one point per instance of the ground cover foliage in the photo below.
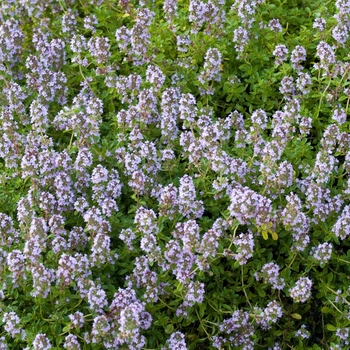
(174, 175)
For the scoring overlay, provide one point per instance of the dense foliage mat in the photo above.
(174, 174)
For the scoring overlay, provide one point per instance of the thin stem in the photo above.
(321, 99)
(245, 293)
(234, 235)
(205, 331)
(219, 311)
(213, 323)
(291, 263)
(71, 141)
(347, 105)
(335, 307)
(164, 303)
(344, 261)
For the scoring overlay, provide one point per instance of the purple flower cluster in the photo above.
(301, 292)
(302, 332)
(245, 247)
(212, 66)
(270, 274)
(188, 205)
(176, 341)
(295, 220)
(247, 205)
(41, 342)
(322, 253)
(237, 331)
(280, 52)
(210, 13)
(265, 318)
(342, 226)
(123, 324)
(12, 325)
(298, 55)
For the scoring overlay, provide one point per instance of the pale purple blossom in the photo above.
(176, 341)
(41, 342)
(280, 52)
(301, 292)
(319, 24)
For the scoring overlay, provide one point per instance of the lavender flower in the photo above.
(212, 66)
(155, 76)
(259, 119)
(77, 319)
(343, 334)
(97, 299)
(143, 277)
(294, 219)
(340, 33)
(280, 52)
(188, 206)
(99, 48)
(42, 278)
(71, 342)
(320, 200)
(270, 274)
(90, 23)
(100, 328)
(301, 292)
(247, 205)
(123, 36)
(319, 24)
(187, 108)
(41, 342)
(305, 126)
(245, 10)
(275, 25)
(170, 9)
(198, 14)
(183, 42)
(303, 82)
(326, 54)
(195, 294)
(176, 341)
(324, 166)
(237, 331)
(298, 55)
(127, 236)
(241, 39)
(287, 87)
(245, 247)
(69, 22)
(146, 221)
(322, 253)
(12, 325)
(269, 315)
(181, 261)
(339, 116)
(101, 253)
(342, 226)
(188, 232)
(302, 332)
(15, 263)
(168, 201)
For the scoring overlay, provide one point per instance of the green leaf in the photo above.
(169, 329)
(330, 327)
(261, 292)
(326, 310)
